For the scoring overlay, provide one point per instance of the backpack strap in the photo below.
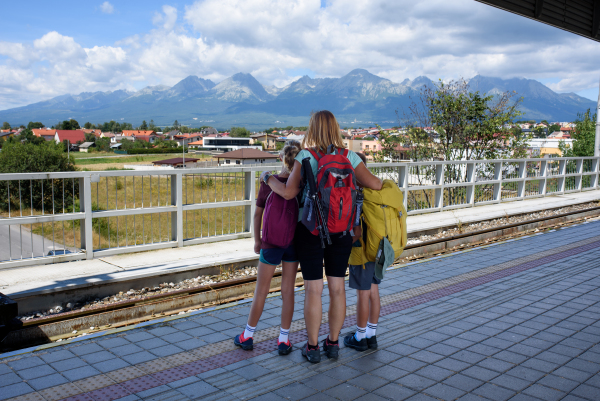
(315, 154)
(343, 152)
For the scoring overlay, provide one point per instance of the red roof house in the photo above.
(136, 132)
(73, 136)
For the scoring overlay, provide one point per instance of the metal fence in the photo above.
(57, 217)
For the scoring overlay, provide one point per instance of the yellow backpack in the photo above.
(384, 215)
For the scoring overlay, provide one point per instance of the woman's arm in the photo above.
(258, 214)
(366, 178)
(291, 188)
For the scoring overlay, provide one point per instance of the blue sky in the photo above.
(49, 48)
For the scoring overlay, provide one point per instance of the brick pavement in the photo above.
(518, 320)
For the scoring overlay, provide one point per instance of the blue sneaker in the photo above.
(247, 344)
(284, 348)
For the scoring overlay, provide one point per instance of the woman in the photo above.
(270, 257)
(323, 131)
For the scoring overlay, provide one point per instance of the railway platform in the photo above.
(516, 320)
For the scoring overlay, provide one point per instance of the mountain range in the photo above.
(357, 99)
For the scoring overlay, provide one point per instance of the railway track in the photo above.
(88, 321)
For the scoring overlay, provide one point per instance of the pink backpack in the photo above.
(279, 221)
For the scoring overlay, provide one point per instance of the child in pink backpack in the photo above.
(275, 247)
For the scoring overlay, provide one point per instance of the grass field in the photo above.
(95, 161)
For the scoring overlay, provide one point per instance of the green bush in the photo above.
(46, 157)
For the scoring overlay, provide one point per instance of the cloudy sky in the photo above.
(49, 48)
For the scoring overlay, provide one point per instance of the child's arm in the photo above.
(258, 215)
(357, 233)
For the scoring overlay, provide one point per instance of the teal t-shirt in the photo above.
(314, 164)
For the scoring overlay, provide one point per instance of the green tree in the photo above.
(27, 136)
(5, 125)
(176, 124)
(151, 126)
(102, 144)
(90, 137)
(584, 137)
(239, 132)
(87, 125)
(34, 125)
(553, 128)
(17, 157)
(69, 125)
(144, 125)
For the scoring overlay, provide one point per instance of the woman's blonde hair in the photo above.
(323, 130)
(288, 154)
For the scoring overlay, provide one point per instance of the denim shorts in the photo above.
(361, 279)
(274, 256)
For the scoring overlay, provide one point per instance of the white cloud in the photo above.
(107, 8)
(272, 39)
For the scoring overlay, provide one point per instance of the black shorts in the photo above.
(311, 255)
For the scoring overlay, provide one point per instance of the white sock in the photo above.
(249, 332)
(283, 335)
(371, 329)
(361, 332)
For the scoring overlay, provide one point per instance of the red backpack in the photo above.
(336, 187)
(279, 220)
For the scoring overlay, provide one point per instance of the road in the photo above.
(23, 240)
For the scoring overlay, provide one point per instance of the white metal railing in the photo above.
(57, 217)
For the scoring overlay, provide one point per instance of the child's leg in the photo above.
(374, 309)
(263, 285)
(362, 307)
(288, 279)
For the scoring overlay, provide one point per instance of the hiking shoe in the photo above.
(313, 355)
(247, 344)
(372, 342)
(331, 350)
(351, 342)
(284, 348)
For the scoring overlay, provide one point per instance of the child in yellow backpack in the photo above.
(378, 241)
(363, 280)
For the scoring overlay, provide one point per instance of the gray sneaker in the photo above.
(331, 350)
(313, 355)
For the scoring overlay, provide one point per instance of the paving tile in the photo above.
(389, 372)
(11, 378)
(15, 390)
(198, 389)
(113, 342)
(47, 381)
(395, 392)
(525, 373)
(345, 391)
(25, 363)
(511, 382)
(110, 365)
(251, 372)
(544, 393)
(138, 357)
(444, 392)
(587, 392)
(295, 391)
(480, 373)
(80, 373)
(68, 364)
(342, 373)
(151, 344)
(494, 392)
(57, 356)
(86, 349)
(408, 364)
(463, 382)
(321, 382)
(452, 364)
(573, 374)
(97, 357)
(434, 372)
(416, 382)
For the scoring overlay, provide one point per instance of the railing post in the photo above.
(522, 176)
(562, 167)
(177, 216)
(85, 206)
(595, 177)
(403, 183)
(578, 180)
(439, 192)
(498, 177)
(543, 177)
(471, 183)
(249, 194)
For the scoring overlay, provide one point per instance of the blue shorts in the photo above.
(362, 278)
(274, 256)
